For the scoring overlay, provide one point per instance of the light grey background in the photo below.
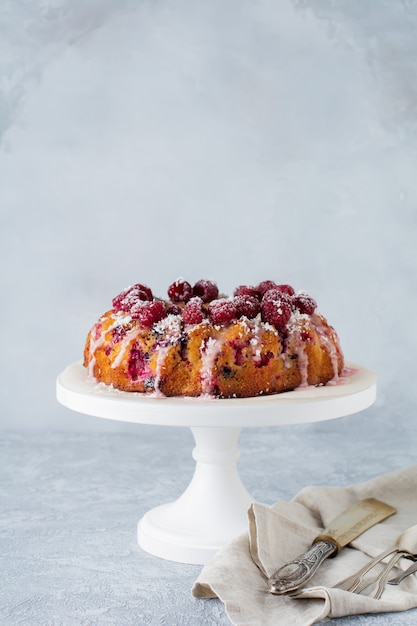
(239, 140)
(142, 140)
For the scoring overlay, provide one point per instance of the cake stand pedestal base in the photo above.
(210, 512)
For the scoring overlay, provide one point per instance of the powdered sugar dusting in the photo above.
(170, 327)
(296, 320)
(122, 318)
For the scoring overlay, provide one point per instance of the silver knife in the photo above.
(345, 528)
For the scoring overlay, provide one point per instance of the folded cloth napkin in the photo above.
(238, 573)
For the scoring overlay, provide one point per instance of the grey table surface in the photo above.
(70, 503)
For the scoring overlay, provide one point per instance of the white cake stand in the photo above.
(212, 510)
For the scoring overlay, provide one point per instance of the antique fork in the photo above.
(356, 583)
(398, 579)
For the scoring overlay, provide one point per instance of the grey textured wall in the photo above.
(239, 140)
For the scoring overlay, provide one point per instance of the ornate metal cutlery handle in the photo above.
(293, 575)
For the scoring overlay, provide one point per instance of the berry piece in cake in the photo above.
(118, 333)
(130, 296)
(265, 286)
(148, 313)
(238, 348)
(222, 311)
(304, 303)
(180, 291)
(136, 365)
(276, 312)
(206, 290)
(246, 290)
(263, 359)
(247, 306)
(193, 312)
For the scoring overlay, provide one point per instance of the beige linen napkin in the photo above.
(238, 573)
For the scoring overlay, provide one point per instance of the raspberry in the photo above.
(222, 311)
(135, 309)
(180, 291)
(286, 289)
(276, 295)
(148, 313)
(145, 290)
(304, 303)
(206, 290)
(128, 297)
(246, 290)
(193, 312)
(246, 305)
(265, 286)
(276, 312)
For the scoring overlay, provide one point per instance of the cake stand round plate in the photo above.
(212, 510)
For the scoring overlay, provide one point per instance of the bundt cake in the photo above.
(263, 340)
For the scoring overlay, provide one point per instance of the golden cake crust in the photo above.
(242, 357)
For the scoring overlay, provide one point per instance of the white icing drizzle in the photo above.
(295, 327)
(130, 336)
(325, 338)
(171, 328)
(161, 355)
(209, 351)
(302, 362)
(97, 342)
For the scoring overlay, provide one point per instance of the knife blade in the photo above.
(345, 528)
